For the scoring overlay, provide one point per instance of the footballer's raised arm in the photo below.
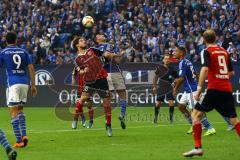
(110, 55)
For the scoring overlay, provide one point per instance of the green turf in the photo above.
(53, 139)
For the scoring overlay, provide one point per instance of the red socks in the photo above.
(237, 128)
(107, 111)
(197, 133)
(78, 110)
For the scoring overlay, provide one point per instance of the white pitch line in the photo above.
(99, 129)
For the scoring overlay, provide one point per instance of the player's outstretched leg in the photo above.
(206, 124)
(156, 111)
(107, 111)
(197, 135)
(11, 153)
(22, 124)
(90, 113)
(16, 127)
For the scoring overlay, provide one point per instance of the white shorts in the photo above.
(16, 95)
(116, 81)
(188, 99)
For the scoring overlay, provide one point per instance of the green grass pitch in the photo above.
(53, 139)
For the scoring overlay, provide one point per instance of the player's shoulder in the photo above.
(4, 50)
(204, 51)
(184, 61)
(13, 48)
(102, 46)
(188, 62)
(204, 54)
(213, 48)
(181, 63)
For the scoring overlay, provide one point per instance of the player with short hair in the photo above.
(187, 76)
(11, 153)
(16, 62)
(216, 66)
(169, 77)
(90, 65)
(115, 78)
(79, 106)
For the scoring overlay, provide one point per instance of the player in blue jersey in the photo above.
(188, 76)
(16, 62)
(115, 78)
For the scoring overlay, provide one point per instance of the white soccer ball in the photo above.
(88, 21)
(54, 1)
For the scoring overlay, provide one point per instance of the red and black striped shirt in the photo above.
(92, 60)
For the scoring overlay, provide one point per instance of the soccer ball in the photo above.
(88, 21)
(54, 1)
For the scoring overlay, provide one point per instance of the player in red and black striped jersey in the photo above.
(216, 65)
(79, 105)
(89, 63)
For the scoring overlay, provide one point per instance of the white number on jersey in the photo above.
(17, 60)
(222, 63)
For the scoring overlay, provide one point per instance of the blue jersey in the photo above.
(108, 65)
(187, 71)
(15, 60)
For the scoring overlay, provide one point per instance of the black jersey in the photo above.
(169, 76)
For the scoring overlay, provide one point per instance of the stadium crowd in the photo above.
(146, 29)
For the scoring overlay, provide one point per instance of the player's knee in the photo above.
(182, 108)
(106, 102)
(89, 104)
(14, 112)
(122, 94)
(158, 104)
(171, 103)
(234, 121)
(20, 108)
(197, 115)
(83, 99)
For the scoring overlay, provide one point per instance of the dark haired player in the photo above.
(216, 66)
(169, 77)
(89, 63)
(16, 62)
(115, 78)
(187, 76)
